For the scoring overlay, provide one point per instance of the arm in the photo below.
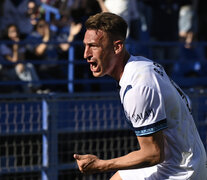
(40, 49)
(15, 55)
(102, 6)
(74, 30)
(151, 153)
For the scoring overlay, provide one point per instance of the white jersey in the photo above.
(152, 102)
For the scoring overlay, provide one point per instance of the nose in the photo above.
(87, 52)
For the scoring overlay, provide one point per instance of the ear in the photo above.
(118, 46)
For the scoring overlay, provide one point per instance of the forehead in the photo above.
(94, 36)
(12, 28)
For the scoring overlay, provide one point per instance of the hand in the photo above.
(64, 46)
(87, 163)
(75, 28)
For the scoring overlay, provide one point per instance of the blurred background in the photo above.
(51, 106)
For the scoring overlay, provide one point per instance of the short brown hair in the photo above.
(110, 23)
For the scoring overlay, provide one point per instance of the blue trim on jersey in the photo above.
(127, 89)
(152, 128)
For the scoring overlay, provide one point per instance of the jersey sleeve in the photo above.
(145, 111)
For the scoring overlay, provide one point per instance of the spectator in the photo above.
(163, 28)
(127, 9)
(39, 48)
(63, 48)
(33, 12)
(75, 16)
(16, 12)
(42, 47)
(186, 22)
(188, 30)
(74, 29)
(14, 53)
(78, 15)
(191, 52)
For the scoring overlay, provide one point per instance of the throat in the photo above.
(120, 66)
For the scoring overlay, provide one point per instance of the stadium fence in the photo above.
(40, 133)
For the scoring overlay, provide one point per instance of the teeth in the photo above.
(94, 64)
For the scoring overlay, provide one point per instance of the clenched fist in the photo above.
(88, 163)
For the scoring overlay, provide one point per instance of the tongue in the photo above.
(94, 66)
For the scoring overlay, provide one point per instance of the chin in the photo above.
(95, 74)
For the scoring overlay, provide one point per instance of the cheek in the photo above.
(11, 34)
(106, 61)
(104, 57)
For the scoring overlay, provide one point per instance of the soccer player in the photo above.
(156, 108)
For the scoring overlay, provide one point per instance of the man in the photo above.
(156, 109)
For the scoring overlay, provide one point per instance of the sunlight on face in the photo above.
(98, 52)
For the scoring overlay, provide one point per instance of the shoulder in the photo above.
(142, 70)
(5, 50)
(138, 70)
(138, 64)
(142, 74)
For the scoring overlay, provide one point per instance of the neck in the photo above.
(122, 60)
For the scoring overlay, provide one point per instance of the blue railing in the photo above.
(186, 72)
(40, 133)
(50, 10)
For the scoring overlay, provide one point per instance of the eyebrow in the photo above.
(89, 43)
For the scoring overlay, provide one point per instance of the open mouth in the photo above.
(94, 66)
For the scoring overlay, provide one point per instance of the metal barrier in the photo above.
(50, 10)
(185, 72)
(70, 81)
(40, 133)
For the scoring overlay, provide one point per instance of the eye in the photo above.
(94, 46)
(91, 45)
